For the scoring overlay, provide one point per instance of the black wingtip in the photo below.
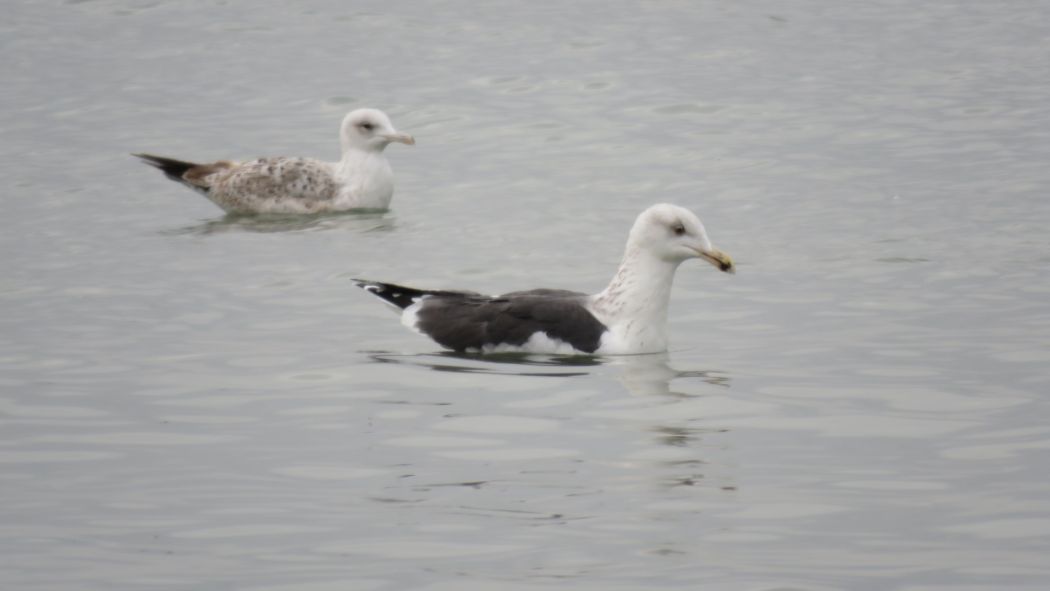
(172, 168)
(398, 295)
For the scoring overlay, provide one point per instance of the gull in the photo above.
(628, 317)
(361, 179)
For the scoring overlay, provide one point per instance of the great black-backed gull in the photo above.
(362, 178)
(629, 316)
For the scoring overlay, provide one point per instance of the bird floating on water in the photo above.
(629, 316)
(361, 179)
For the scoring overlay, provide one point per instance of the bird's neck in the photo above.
(366, 179)
(639, 293)
(355, 155)
(364, 166)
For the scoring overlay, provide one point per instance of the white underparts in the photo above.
(539, 342)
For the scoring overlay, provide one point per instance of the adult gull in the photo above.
(361, 179)
(629, 316)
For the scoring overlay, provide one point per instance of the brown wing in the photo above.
(273, 179)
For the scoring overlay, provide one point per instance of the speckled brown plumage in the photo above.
(361, 179)
(271, 183)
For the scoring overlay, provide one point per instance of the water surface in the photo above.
(197, 402)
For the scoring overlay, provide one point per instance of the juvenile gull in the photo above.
(362, 178)
(629, 316)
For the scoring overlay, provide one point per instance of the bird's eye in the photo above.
(678, 229)
(366, 126)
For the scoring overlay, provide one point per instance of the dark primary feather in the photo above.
(467, 320)
(172, 168)
(402, 296)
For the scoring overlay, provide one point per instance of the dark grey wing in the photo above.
(544, 291)
(464, 322)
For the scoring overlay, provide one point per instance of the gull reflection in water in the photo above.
(640, 374)
(673, 406)
(653, 374)
(362, 221)
(694, 453)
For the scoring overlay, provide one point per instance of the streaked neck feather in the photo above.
(634, 305)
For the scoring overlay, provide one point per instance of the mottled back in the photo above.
(302, 180)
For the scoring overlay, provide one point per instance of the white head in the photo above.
(674, 234)
(369, 130)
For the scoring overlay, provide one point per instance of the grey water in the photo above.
(191, 401)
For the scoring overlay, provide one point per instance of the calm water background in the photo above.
(195, 402)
